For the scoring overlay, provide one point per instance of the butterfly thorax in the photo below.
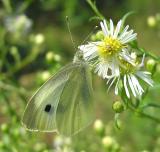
(78, 57)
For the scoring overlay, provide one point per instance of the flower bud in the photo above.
(16, 133)
(150, 65)
(93, 37)
(58, 141)
(118, 107)
(45, 150)
(39, 146)
(49, 56)
(99, 126)
(151, 21)
(39, 39)
(2, 145)
(117, 147)
(4, 127)
(67, 141)
(45, 75)
(99, 35)
(57, 57)
(14, 50)
(108, 142)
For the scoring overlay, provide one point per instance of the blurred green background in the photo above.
(35, 43)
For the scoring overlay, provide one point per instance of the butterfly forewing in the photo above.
(40, 113)
(75, 109)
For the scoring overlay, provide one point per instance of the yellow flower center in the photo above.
(109, 47)
(127, 68)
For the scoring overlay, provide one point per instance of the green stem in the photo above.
(11, 110)
(24, 6)
(138, 111)
(24, 62)
(4, 48)
(142, 114)
(149, 54)
(8, 87)
(150, 105)
(94, 8)
(7, 5)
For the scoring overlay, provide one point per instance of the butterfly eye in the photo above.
(48, 108)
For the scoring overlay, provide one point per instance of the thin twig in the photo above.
(94, 8)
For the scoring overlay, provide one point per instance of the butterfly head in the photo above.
(78, 57)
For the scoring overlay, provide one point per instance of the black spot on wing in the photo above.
(48, 108)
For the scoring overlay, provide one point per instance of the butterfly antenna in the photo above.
(90, 33)
(69, 30)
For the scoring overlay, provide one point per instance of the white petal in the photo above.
(137, 85)
(117, 72)
(102, 70)
(89, 51)
(111, 27)
(113, 80)
(125, 86)
(116, 87)
(142, 62)
(127, 34)
(146, 72)
(103, 29)
(131, 85)
(138, 92)
(114, 66)
(129, 38)
(106, 27)
(145, 77)
(108, 68)
(105, 71)
(98, 69)
(127, 57)
(109, 80)
(118, 27)
(124, 32)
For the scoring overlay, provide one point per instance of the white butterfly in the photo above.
(64, 103)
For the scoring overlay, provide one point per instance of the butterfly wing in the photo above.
(75, 108)
(40, 113)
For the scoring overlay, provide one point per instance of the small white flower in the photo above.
(105, 54)
(130, 76)
(19, 23)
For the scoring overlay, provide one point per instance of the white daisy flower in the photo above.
(130, 76)
(105, 54)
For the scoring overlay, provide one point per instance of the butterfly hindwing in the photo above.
(75, 108)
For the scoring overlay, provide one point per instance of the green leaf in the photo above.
(117, 121)
(126, 16)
